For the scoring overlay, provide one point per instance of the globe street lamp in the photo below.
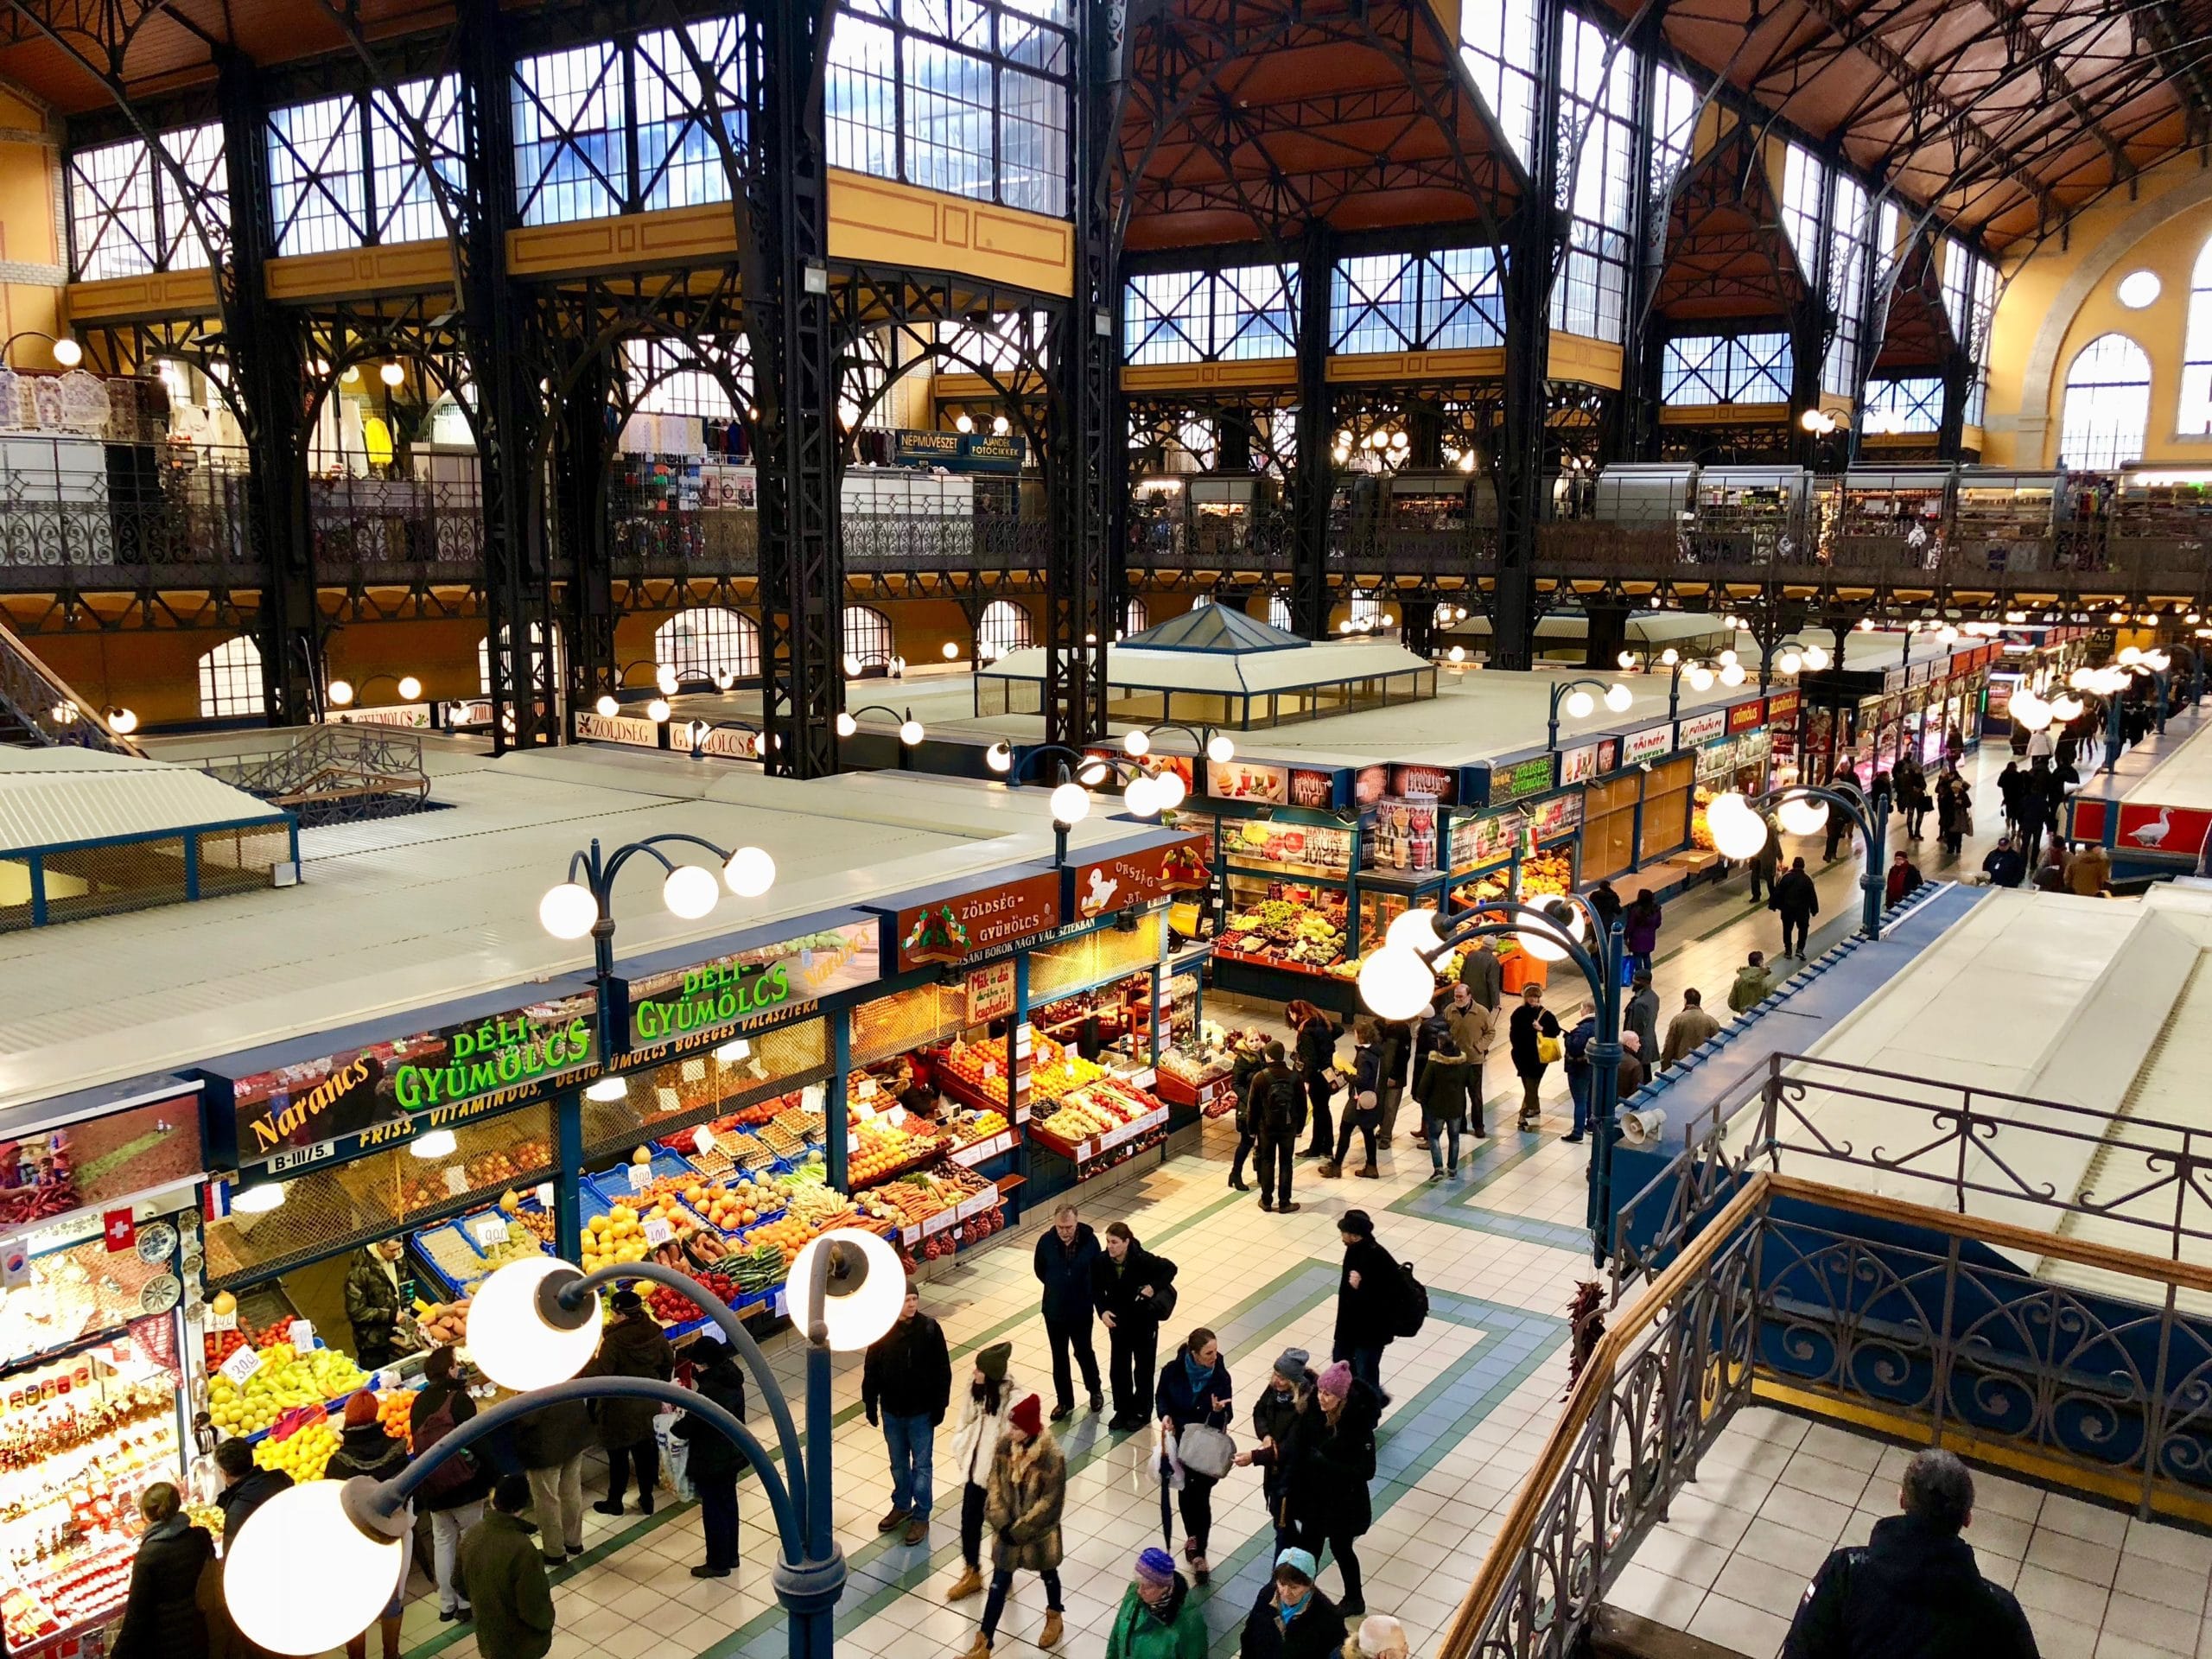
(1789, 657)
(1211, 742)
(325, 1568)
(1398, 982)
(1145, 794)
(911, 733)
(1574, 695)
(1701, 675)
(1739, 830)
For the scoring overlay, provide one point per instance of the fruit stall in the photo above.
(1093, 1129)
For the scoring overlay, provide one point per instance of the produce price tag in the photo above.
(488, 1231)
(910, 1234)
(978, 1152)
(703, 1139)
(976, 1202)
(1145, 1079)
(303, 1336)
(641, 1176)
(456, 1180)
(545, 1195)
(656, 1231)
(241, 1365)
(937, 1223)
(221, 1321)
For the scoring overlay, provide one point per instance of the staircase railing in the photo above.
(331, 773)
(42, 705)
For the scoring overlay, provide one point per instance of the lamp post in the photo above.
(1788, 657)
(1212, 743)
(1739, 830)
(578, 907)
(322, 1567)
(1399, 982)
(1701, 675)
(910, 729)
(67, 352)
(1146, 794)
(1574, 695)
(344, 693)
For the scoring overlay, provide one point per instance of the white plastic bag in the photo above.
(675, 1454)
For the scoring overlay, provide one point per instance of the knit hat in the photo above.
(1337, 1380)
(1029, 1415)
(1300, 1561)
(992, 1361)
(1290, 1364)
(1356, 1221)
(1381, 1636)
(1156, 1566)
(361, 1408)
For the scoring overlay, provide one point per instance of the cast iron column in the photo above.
(1313, 484)
(580, 456)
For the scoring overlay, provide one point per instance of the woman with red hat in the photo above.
(364, 1449)
(1028, 1488)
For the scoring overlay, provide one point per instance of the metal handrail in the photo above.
(46, 706)
(374, 760)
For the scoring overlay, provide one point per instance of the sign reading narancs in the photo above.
(697, 1004)
(968, 924)
(386, 1091)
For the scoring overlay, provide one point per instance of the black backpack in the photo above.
(1413, 1303)
(1282, 1115)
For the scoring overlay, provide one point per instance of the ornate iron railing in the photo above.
(332, 774)
(38, 707)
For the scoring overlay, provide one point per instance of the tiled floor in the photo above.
(1776, 1494)
(1501, 1249)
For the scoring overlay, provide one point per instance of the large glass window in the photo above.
(1674, 126)
(2195, 418)
(1850, 249)
(867, 638)
(2108, 405)
(229, 680)
(1703, 369)
(969, 97)
(666, 377)
(1803, 179)
(1906, 403)
(1194, 317)
(129, 215)
(1597, 175)
(570, 159)
(1446, 301)
(316, 194)
(1005, 626)
(407, 208)
(680, 162)
(1499, 43)
(349, 172)
(709, 643)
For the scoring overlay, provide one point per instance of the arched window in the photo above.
(1201, 601)
(867, 638)
(2108, 405)
(1279, 611)
(229, 680)
(2196, 414)
(709, 643)
(1005, 627)
(1366, 611)
(484, 659)
(1134, 618)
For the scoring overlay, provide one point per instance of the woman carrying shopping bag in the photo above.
(1194, 1406)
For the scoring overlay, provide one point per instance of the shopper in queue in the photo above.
(364, 1448)
(1294, 1619)
(1640, 929)
(992, 1390)
(1250, 1054)
(1474, 1028)
(1642, 1013)
(1364, 1107)
(1290, 1386)
(162, 1617)
(506, 1579)
(550, 1444)
(1370, 1296)
(1581, 1071)
(1028, 1492)
(1397, 1043)
(1317, 1037)
(1065, 1262)
(1157, 1618)
(715, 1461)
(246, 1487)
(1483, 974)
(1194, 1389)
(1532, 1027)
(454, 1491)
(906, 1385)
(1278, 1112)
(1441, 1093)
(633, 1346)
(1630, 1074)
(1130, 1287)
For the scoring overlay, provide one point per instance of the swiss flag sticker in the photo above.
(121, 1230)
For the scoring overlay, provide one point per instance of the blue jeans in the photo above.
(1440, 1130)
(912, 1473)
(1578, 1079)
(1366, 1365)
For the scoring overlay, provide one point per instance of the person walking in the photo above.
(372, 1303)
(1532, 1032)
(1903, 878)
(1362, 1108)
(992, 1391)
(506, 1577)
(1642, 1013)
(1368, 1297)
(1243, 1067)
(1607, 903)
(1317, 1037)
(2010, 783)
(1912, 795)
(2089, 871)
(1133, 1291)
(2004, 866)
(1441, 1093)
(1027, 1490)
(1689, 1028)
(715, 1461)
(550, 1446)
(1846, 780)
(1379, 1636)
(1157, 1618)
(1765, 864)
(162, 1617)
(1397, 1046)
(1581, 1075)
(1293, 1619)
(1066, 1263)
(1796, 900)
(1194, 1389)
(453, 1493)
(906, 1386)
(1290, 1386)
(1912, 1590)
(1881, 797)
(1333, 1460)
(633, 1346)
(1483, 974)
(1754, 985)
(1278, 1116)
(1954, 810)
(364, 1448)
(1640, 930)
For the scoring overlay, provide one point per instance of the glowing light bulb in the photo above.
(1579, 704)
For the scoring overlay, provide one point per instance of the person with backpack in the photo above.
(1194, 1391)
(1133, 1291)
(633, 1345)
(1371, 1293)
(1278, 1118)
(715, 1461)
(452, 1493)
(1581, 1075)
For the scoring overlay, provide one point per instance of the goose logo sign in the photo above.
(2173, 832)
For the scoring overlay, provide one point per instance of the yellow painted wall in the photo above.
(29, 231)
(2057, 299)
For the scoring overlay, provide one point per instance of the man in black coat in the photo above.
(1912, 1590)
(905, 1384)
(1132, 1288)
(1796, 900)
(2004, 866)
(714, 1460)
(1067, 1256)
(1368, 1294)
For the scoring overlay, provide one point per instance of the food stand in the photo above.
(99, 1266)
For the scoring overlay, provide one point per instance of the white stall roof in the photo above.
(61, 796)
(1258, 673)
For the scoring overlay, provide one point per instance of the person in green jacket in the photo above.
(1158, 1620)
(504, 1572)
